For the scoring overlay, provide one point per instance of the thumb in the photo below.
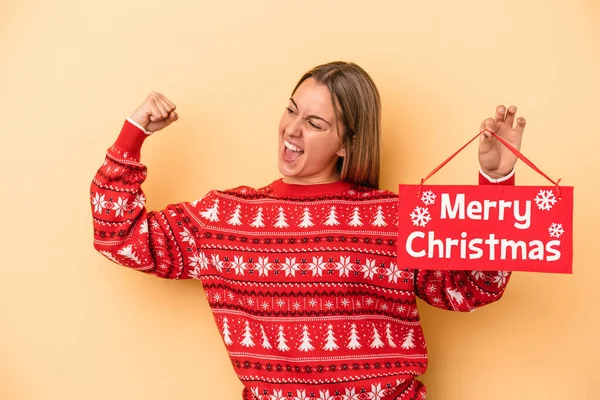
(171, 118)
(486, 139)
(487, 126)
(157, 126)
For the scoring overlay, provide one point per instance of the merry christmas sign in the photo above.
(486, 227)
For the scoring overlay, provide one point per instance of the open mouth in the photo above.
(291, 152)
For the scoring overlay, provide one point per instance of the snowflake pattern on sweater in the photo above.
(303, 282)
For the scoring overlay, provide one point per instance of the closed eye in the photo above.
(312, 124)
(291, 111)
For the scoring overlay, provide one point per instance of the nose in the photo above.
(294, 128)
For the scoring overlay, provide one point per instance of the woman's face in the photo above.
(309, 141)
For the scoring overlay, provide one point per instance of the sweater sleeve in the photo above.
(156, 242)
(464, 290)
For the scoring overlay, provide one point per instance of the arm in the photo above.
(467, 290)
(124, 231)
(464, 290)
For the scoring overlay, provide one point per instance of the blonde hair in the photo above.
(357, 104)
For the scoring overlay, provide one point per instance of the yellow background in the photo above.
(75, 326)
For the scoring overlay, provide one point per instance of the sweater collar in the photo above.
(281, 188)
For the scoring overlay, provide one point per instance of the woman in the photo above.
(301, 275)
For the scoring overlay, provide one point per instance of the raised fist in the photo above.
(155, 113)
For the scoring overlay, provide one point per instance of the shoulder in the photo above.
(246, 192)
(363, 193)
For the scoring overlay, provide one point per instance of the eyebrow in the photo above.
(312, 115)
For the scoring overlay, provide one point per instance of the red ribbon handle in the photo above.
(508, 146)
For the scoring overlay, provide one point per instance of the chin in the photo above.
(289, 170)
(283, 170)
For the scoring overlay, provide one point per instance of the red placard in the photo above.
(487, 227)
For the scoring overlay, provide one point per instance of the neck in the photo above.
(313, 180)
(306, 189)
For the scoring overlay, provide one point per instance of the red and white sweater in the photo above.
(302, 280)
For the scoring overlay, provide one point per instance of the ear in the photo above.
(341, 152)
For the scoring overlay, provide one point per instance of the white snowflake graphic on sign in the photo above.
(420, 216)
(545, 199)
(428, 198)
(556, 230)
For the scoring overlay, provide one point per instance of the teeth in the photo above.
(291, 147)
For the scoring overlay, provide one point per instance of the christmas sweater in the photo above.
(302, 280)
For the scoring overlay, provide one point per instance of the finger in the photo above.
(170, 105)
(486, 139)
(520, 125)
(500, 113)
(155, 111)
(164, 113)
(510, 115)
(488, 124)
